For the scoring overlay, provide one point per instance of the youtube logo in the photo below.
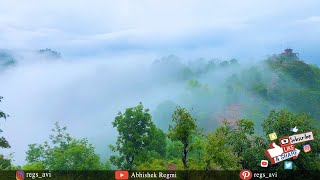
(284, 141)
(264, 163)
(121, 175)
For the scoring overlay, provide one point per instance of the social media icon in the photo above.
(288, 165)
(120, 175)
(306, 148)
(284, 141)
(295, 129)
(264, 163)
(245, 174)
(20, 175)
(273, 136)
(274, 151)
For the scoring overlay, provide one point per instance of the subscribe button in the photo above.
(121, 175)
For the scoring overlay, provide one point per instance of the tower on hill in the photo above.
(290, 54)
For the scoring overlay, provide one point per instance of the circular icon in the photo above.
(245, 174)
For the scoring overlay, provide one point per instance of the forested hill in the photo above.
(297, 85)
(219, 90)
(7, 58)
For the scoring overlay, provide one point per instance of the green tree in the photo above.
(5, 163)
(63, 153)
(219, 154)
(3, 142)
(158, 142)
(183, 129)
(155, 149)
(138, 138)
(173, 149)
(281, 122)
(160, 164)
(34, 166)
(248, 147)
(239, 135)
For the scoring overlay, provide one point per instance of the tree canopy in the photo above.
(138, 136)
(183, 129)
(62, 153)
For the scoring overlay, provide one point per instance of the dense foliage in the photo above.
(138, 138)
(62, 153)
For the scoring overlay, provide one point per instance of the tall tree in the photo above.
(183, 129)
(137, 136)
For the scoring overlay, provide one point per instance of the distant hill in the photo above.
(219, 90)
(49, 53)
(6, 59)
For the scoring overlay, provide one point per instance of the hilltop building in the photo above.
(290, 54)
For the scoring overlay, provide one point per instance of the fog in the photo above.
(85, 94)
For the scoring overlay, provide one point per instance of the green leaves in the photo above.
(281, 122)
(137, 136)
(217, 152)
(183, 130)
(5, 163)
(240, 144)
(63, 153)
(35, 153)
(185, 126)
(34, 166)
(4, 143)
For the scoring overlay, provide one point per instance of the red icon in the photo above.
(121, 175)
(245, 174)
(288, 148)
(264, 163)
(284, 141)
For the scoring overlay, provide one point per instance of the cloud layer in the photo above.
(244, 29)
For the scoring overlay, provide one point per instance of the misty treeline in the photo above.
(220, 121)
(7, 58)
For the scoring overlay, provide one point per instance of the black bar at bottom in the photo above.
(176, 175)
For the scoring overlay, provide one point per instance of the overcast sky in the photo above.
(246, 29)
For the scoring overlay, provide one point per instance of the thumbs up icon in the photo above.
(275, 150)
